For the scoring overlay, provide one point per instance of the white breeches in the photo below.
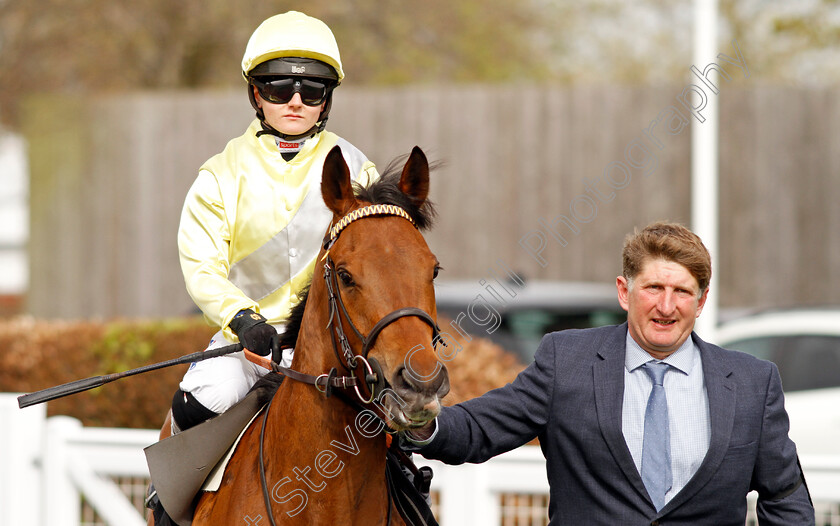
(219, 383)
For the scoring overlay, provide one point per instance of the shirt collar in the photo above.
(683, 358)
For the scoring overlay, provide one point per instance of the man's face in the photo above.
(662, 303)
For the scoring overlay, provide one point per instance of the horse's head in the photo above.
(383, 273)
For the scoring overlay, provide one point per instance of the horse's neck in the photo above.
(314, 355)
(314, 352)
(335, 418)
(332, 454)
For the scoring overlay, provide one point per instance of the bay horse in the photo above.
(370, 315)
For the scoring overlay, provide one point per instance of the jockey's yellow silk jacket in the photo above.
(252, 225)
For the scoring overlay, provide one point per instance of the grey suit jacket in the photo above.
(571, 398)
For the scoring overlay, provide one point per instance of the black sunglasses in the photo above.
(281, 90)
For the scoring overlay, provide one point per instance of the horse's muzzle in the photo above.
(417, 398)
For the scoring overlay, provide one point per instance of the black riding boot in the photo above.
(186, 413)
(153, 503)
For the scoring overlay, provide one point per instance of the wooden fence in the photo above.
(544, 180)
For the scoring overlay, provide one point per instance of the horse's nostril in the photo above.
(405, 379)
(443, 386)
(435, 385)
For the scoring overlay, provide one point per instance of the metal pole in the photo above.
(704, 162)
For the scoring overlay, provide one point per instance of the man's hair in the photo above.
(669, 241)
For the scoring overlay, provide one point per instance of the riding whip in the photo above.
(85, 384)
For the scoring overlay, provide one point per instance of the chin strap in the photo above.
(267, 129)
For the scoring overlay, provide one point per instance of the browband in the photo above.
(365, 211)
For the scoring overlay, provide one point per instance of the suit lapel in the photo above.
(609, 399)
(722, 397)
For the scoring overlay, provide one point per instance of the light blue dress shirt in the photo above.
(688, 409)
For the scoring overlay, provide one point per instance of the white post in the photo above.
(21, 432)
(60, 500)
(465, 496)
(471, 493)
(704, 162)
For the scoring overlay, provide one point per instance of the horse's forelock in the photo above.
(386, 191)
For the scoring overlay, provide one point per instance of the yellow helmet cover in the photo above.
(292, 34)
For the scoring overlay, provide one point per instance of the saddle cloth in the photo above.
(184, 464)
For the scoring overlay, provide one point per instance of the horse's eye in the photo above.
(438, 268)
(346, 278)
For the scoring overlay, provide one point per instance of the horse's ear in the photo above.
(414, 181)
(336, 188)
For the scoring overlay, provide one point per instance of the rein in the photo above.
(372, 372)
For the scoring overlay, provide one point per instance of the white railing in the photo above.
(48, 465)
(471, 494)
(21, 434)
(78, 460)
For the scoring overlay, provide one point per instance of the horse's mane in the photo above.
(289, 337)
(383, 191)
(268, 384)
(386, 191)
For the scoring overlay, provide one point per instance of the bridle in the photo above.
(341, 345)
(372, 374)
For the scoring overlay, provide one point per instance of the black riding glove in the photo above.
(253, 331)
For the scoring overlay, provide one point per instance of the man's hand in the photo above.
(253, 331)
(422, 434)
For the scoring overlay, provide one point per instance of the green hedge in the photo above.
(37, 354)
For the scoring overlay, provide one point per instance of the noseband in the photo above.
(341, 346)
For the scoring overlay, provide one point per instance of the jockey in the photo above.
(254, 219)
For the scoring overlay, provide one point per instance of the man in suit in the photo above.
(626, 446)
